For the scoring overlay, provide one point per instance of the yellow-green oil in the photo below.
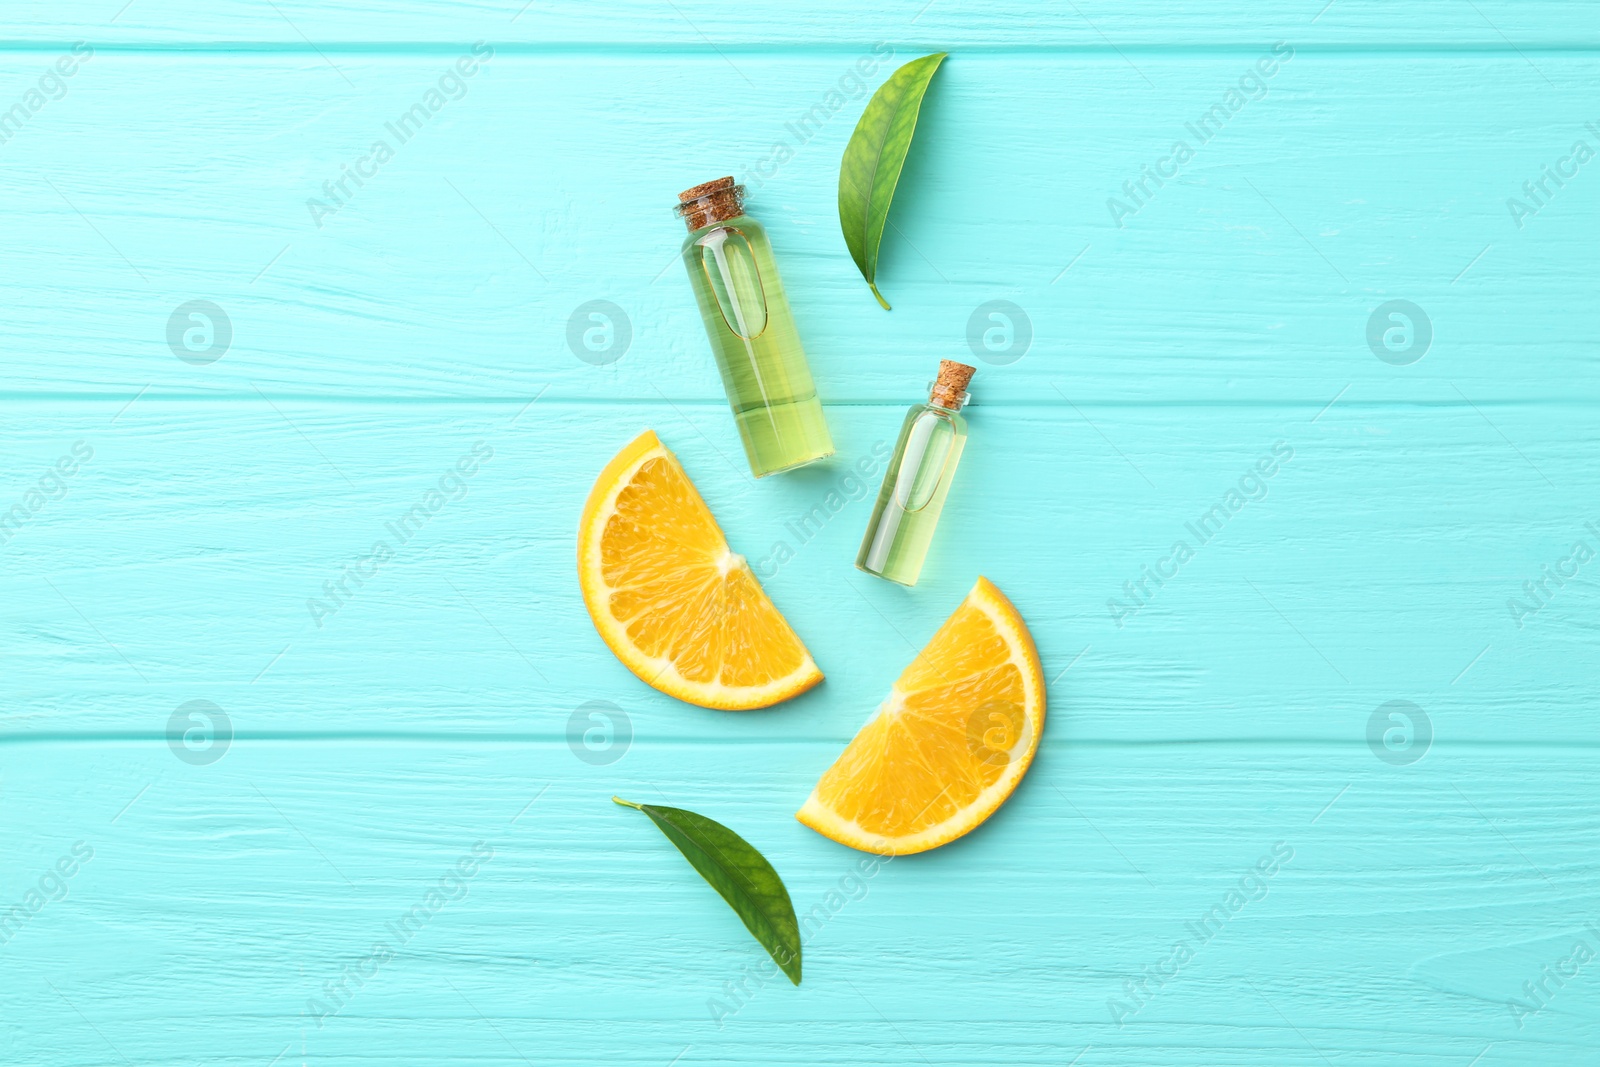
(913, 494)
(756, 346)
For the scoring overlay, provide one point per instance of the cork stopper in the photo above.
(950, 390)
(709, 202)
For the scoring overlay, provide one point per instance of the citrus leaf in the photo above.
(873, 159)
(741, 874)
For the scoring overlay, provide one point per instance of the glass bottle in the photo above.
(752, 333)
(918, 480)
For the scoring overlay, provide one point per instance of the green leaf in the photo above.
(741, 874)
(873, 159)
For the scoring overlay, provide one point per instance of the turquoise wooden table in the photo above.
(1318, 787)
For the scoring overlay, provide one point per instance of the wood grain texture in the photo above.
(456, 270)
(707, 25)
(1203, 712)
(1413, 903)
(205, 584)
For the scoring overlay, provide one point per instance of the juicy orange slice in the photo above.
(675, 604)
(948, 746)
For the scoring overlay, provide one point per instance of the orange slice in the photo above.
(948, 746)
(676, 605)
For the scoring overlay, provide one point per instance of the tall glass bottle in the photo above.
(918, 480)
(752, 333)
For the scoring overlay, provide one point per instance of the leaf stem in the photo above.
(879, 295)
(627, 803)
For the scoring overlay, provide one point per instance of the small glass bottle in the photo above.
(918, 480)
(752, 333)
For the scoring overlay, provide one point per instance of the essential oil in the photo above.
(918, 480)
(753, 337)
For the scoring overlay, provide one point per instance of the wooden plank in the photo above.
(1256, 275)
(1379, 562)
(704, 24)
(1407, 907)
